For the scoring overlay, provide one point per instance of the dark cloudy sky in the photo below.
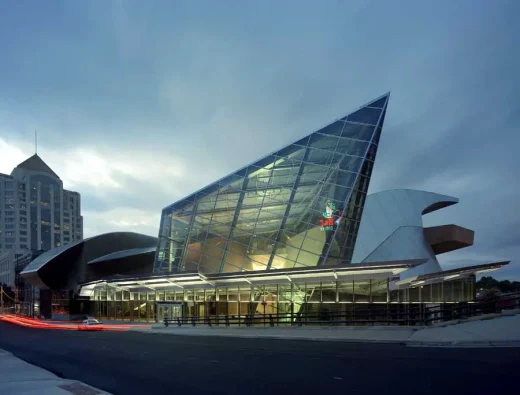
(138, 103)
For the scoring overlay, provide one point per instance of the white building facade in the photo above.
(36, 213)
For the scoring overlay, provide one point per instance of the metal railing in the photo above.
(405, 314)
(373, 315)
(464, 310)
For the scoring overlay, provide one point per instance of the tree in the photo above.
(504, 286)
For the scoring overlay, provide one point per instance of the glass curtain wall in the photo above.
(287, 303)
(297, 207)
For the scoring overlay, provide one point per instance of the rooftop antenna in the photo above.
(35, 142)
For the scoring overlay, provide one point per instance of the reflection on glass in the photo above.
(298, 207)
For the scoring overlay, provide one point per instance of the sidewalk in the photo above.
(499, 332)
(19, 377)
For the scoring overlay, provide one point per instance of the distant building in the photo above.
(36, 213)
(7, 272)
(11, 265)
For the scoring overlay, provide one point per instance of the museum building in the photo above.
(293, 235)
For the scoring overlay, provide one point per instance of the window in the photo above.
(9, 213)
(8, 184)
(9, 226)
(23, 246)
(23, 205)
(23, 219)
(8, 193)
(9, 206)
(23, 212)
(23, 233)
(23, 226)
(24, 239)
(9, 233)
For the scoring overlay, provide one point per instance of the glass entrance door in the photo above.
(169, 310)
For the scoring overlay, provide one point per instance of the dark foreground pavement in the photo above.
(129, 363)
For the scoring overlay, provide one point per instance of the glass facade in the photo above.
(297, 207)
(286, 302)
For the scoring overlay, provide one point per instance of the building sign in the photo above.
(332, 217)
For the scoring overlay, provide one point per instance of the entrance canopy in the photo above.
(449, 275)
(188, 280)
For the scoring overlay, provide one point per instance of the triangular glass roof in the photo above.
(277, 205)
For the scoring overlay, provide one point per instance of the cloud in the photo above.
(10, 156)
(139, 105)
(121, 219)
(113, 181)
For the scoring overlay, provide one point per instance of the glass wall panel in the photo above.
(436, 293)
(282, 198)
(403, 295)
(413, 294)
(426, 293)
(469, 288)
(358, 131)
(346, 291)
(334, 129)
(458, 291)
(366, 115)
(379, 290)
(447, 291)
(351, 147)
(362, 291)
(328, 292)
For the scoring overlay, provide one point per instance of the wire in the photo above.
(7, 295)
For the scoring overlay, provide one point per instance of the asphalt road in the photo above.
(136, 363)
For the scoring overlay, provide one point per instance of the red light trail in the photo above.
(67, 325)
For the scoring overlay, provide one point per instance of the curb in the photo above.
(475, 344)
(283, 337)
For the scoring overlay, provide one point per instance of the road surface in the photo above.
(128, 363)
